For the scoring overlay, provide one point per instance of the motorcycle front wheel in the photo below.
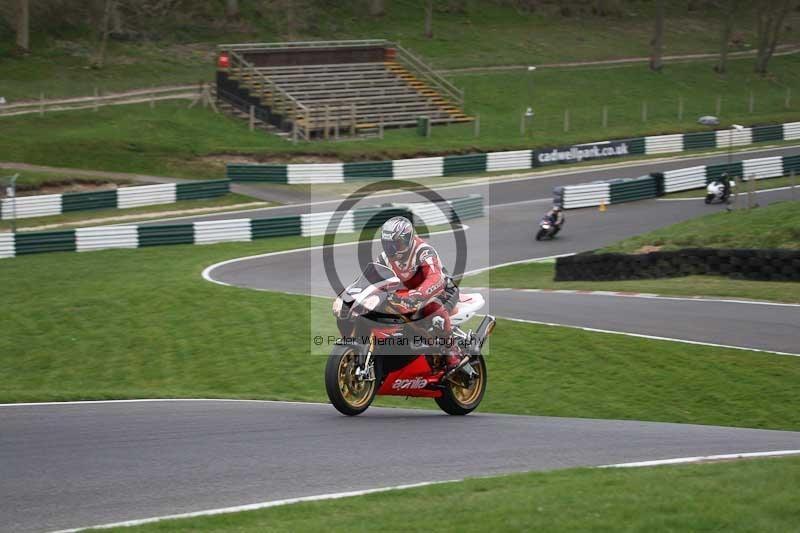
(540, 235)
(462, 395)
(349, 395)
(709, 198)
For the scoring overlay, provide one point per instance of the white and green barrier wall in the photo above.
(245, 229)
(122, 198)
(658, 184)
(431, 167)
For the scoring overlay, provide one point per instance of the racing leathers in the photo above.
(429, 289)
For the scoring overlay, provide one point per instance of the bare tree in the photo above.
(429, 19)
(105, 28)
(377, 8)
(23, 26)
(730, 7)
(231, 9)
(657, 42)
(770, 15)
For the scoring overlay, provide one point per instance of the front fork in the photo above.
(366, 371)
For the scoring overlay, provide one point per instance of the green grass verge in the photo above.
(760, 185)
(753, 495)
(540, 276)
(173, 140)
(228, 202)
(143, 323)
(774, 226)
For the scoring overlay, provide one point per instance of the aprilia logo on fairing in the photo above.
(416, 383)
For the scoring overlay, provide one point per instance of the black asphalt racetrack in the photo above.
(76, 465)
(67, 466)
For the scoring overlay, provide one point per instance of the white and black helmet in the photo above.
(397, 237)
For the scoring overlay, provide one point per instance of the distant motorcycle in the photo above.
(547, 230)
(716, 190)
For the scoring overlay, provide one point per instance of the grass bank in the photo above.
(143, 323)
(735, 496)
(774, 226)
(171, 140)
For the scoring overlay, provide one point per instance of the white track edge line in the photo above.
(348, 494)
(652, 337)
(207, 271)
(703, 458)
(261, 505)
(643, 295)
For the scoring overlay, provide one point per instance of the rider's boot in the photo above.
(455, 358)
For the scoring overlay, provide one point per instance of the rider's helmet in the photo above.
(556, 208)
(397, 236)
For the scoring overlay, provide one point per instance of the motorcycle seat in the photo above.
(468, 305)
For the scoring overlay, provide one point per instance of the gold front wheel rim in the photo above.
(356, 392)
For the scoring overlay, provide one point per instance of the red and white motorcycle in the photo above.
(386, 350)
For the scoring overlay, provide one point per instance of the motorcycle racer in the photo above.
(416, 263)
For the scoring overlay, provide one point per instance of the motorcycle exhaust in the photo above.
(482, 333)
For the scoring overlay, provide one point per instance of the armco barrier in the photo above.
(431, 167)
(122, 198)
(214, 231)
(682, 179)
(771, 265)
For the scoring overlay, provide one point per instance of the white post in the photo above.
(605, 116)
(252, 117)
(566, 120)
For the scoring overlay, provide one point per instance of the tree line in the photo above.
(107, 17)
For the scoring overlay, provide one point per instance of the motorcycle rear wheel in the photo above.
(461, 400)
(348, 394)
